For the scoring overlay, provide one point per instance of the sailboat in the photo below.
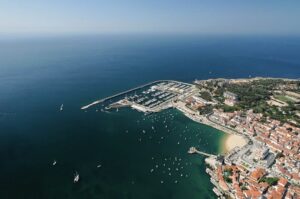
(61, 107)
(76, 177)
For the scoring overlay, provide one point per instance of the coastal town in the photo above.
(261, 114)
(269, 165)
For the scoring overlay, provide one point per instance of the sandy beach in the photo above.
(232, 141)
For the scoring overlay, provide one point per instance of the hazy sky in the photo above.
(150, 16)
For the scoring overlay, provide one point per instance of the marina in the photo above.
(148, 98)
(117, 95)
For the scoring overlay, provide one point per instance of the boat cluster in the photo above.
(165, 128)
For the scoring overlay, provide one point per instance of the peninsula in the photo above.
(262, 116)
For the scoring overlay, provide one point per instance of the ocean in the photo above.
(139, 157)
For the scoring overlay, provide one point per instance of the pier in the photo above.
(193, 150)
(127, 91)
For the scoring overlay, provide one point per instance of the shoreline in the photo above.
(230, 140)
(233, 141)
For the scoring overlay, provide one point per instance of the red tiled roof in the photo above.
(258, 173)
(282, 182)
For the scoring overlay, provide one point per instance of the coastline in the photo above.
(231, 138)
(235, 140)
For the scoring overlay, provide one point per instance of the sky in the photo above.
(274, 17)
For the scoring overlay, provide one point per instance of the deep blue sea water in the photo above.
(37, 75)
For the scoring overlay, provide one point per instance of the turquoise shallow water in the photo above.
(38, 75)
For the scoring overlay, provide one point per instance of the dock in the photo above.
(193, 150)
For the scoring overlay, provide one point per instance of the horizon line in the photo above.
(55, 34)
